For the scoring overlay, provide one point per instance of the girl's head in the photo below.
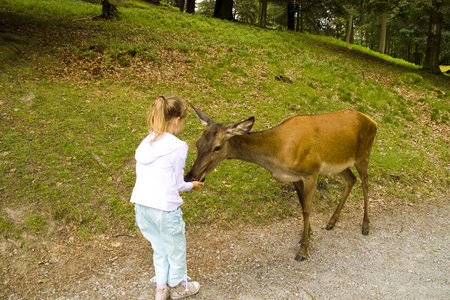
(164, 111)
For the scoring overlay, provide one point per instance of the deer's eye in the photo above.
(217, 149)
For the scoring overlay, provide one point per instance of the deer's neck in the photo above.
(257, 147)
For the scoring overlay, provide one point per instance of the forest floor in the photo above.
(405, 256)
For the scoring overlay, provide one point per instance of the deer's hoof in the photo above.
(300, 257)
(329, 227)
(365, 231)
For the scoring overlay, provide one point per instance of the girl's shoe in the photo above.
(184, 289)
(162, 294)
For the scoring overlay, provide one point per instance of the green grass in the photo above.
(74, 95)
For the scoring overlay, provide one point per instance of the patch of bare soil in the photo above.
(405, 256)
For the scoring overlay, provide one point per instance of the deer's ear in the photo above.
(204, 119)
(241, 128)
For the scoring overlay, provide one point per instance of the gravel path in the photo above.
(405, 256)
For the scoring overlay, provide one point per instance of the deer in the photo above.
(298, 150)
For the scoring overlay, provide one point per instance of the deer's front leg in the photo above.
(306, 201)
(303, 252)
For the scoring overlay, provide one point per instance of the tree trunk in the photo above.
(382, 45)
(291, 16)
(409, 51)
(217, 8)
(190, 7)
(224, 10)
(262, 17)
(417, 55)
(349, 30)
(108, 10)
(182, 4)
(431, 61)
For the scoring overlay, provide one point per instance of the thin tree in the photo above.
(262, 15)
(383, 33)
(349, 29)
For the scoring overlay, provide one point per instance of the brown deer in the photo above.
(298, 150)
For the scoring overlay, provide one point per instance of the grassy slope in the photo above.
(74, 94)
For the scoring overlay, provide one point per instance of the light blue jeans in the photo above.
(166, 232)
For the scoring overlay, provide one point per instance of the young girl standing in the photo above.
(160, 161)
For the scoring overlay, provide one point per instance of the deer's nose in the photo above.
(188, 177)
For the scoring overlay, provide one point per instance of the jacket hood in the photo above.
(163, 145)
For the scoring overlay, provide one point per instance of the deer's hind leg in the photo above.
(349, 179)
(362, 167)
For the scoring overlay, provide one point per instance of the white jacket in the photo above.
(159, 172)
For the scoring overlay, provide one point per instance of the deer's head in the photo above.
(213, 146)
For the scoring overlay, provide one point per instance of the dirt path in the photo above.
(405, 256)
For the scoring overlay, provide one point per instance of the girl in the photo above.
(160, 161)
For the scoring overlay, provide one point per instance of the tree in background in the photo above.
(182, 5)
(224, 10)
(108, 10)
(436, 10)
(190, 7)
(262, 13)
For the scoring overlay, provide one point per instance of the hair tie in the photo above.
(162, 96)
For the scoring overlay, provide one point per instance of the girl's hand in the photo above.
(197, 185)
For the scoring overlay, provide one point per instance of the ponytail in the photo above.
(162, 111)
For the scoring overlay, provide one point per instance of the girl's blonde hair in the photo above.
(164, 109)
